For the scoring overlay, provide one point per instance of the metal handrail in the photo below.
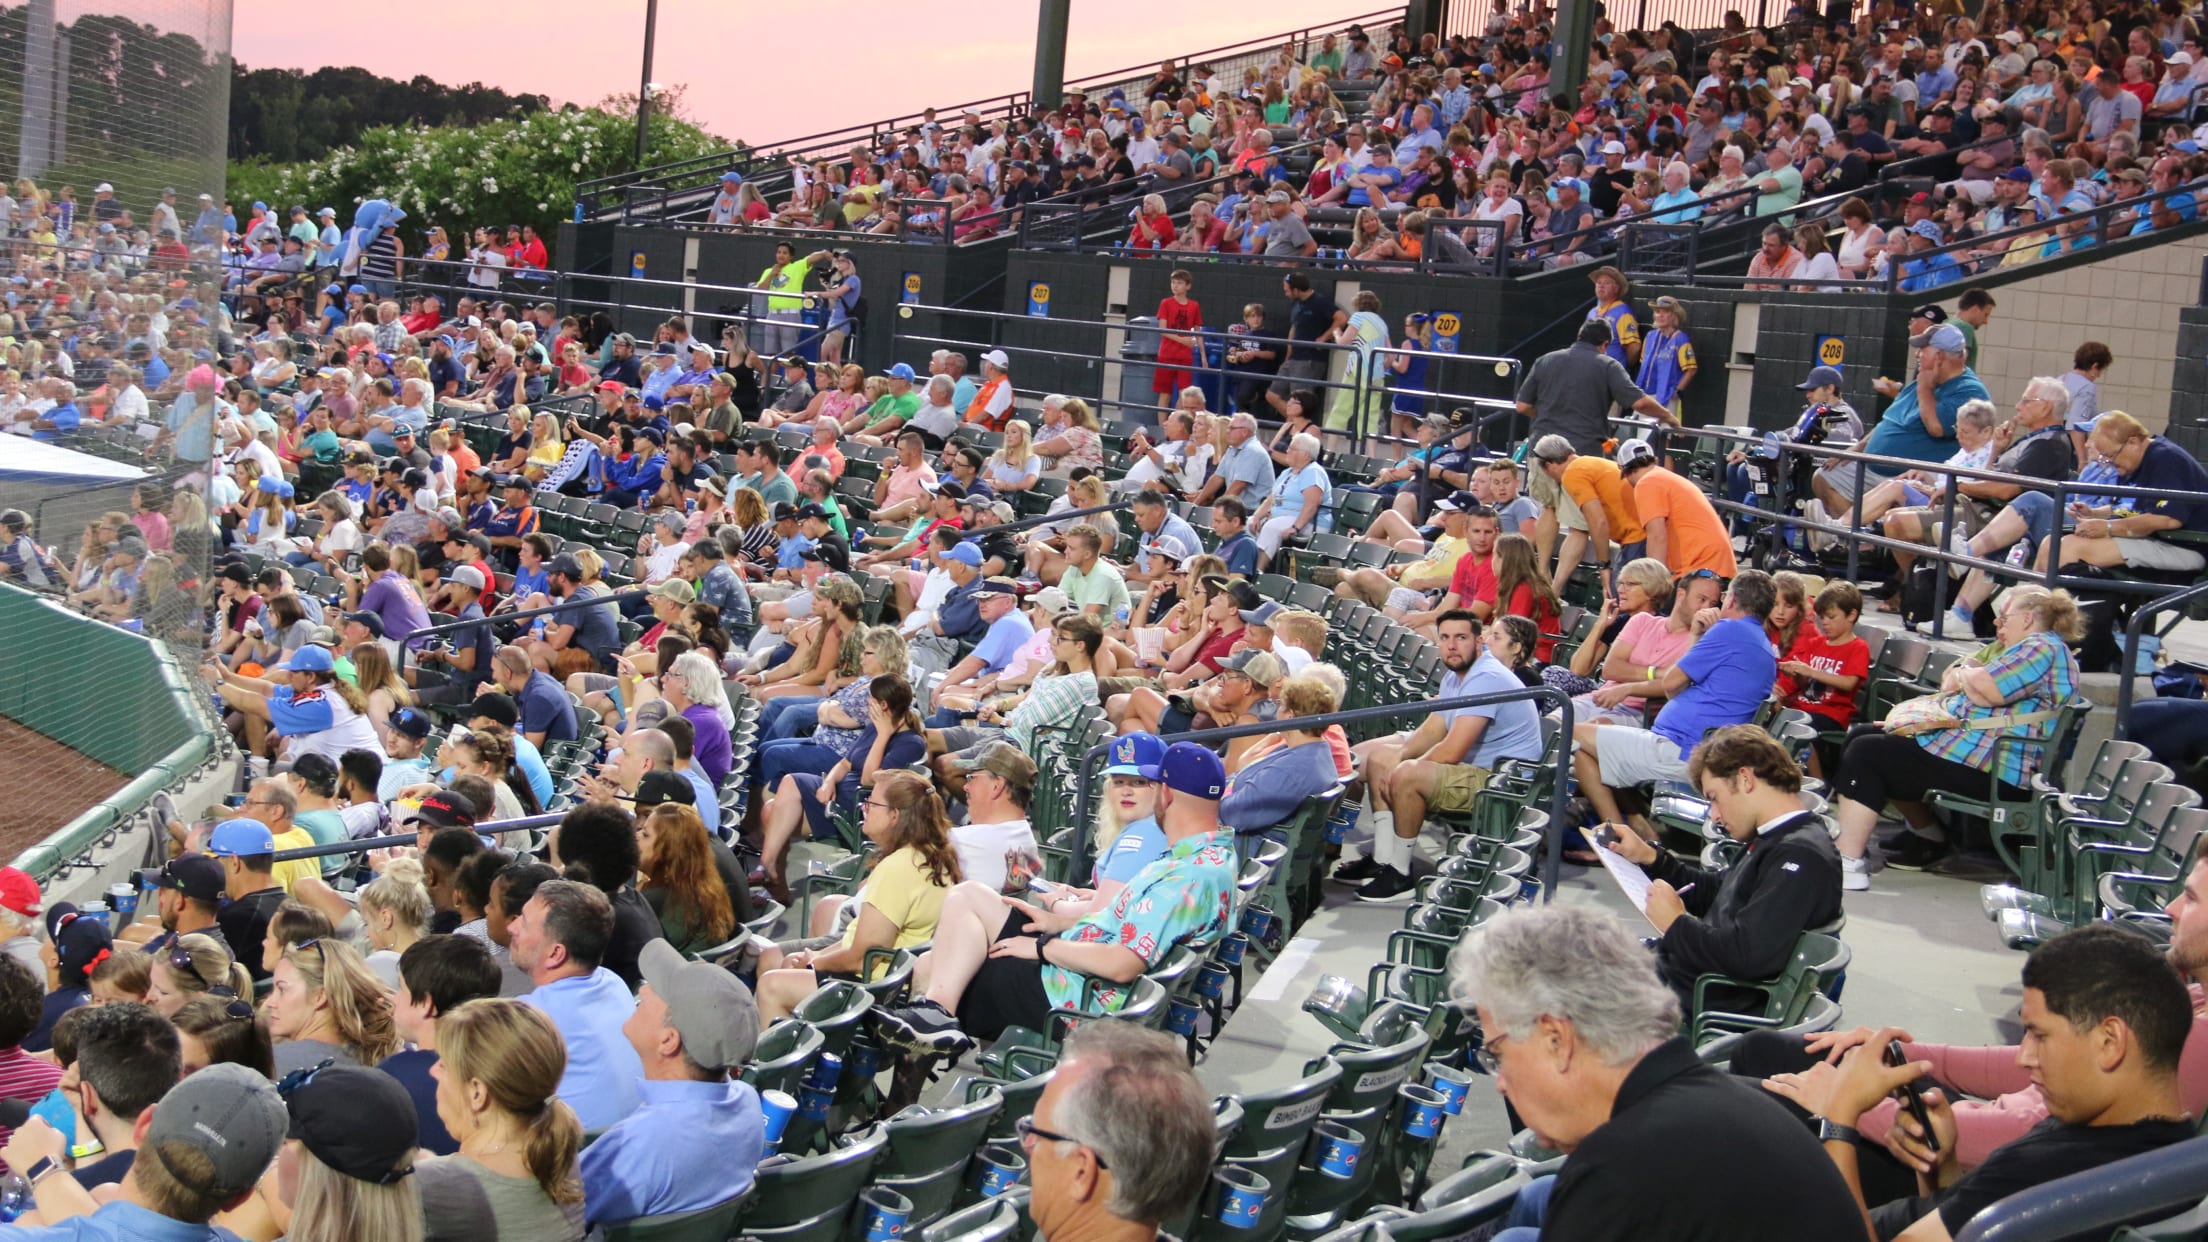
(361, 845)
(2133, 630)
(1086, 778)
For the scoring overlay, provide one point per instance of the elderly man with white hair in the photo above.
(1296, 500)
(1582, 1037)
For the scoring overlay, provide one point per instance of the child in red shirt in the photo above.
(1826, 666)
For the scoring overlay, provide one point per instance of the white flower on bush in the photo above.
(490, 185)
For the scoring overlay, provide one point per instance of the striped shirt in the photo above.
(2035, 674)
(25, 1077)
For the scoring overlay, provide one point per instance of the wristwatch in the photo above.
(1829, 1131)
(40, 1168)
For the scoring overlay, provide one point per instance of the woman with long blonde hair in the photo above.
(347, 1172)
(498, 1071)
(1015, 467)
(327, 1005)
(387, 692)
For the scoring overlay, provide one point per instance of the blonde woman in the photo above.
(194, 965)
(387, 692)
(326, 1005)
(338, 1182)
(1015, 467)
(498, 1071)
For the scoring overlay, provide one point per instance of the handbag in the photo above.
(1929, 712)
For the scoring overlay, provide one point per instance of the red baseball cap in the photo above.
(614, 386)
(19, 892)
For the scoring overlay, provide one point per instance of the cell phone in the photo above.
(1911, 1098)
(1039, 885)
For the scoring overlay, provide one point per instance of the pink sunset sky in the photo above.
(753, 70)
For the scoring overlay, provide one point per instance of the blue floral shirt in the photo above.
(1185, 897)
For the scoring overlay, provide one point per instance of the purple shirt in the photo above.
(711, 750)
(395, 600)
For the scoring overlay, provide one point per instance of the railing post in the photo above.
(1939, 584)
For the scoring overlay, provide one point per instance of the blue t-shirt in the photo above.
(1137, 846)
(1734, 668)
(905, 748)
(2168, 467)
(545, 709)
(1003, 641)
(1900, 431)
(411, 1068)
(1513, 729)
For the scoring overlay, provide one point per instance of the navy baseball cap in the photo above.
(1191, 769)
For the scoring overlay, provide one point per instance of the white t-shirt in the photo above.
(985, 851)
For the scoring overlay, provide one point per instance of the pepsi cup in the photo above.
(1180, 1018)
(1241, 1196)
(1453, 1084)
(1258, 922)
(866, 1060)
(1233, 948)
(813, 1102)
(1423, 1109)
(97, 912)
(1002, 1167)
(777, 1107)
(886, 1212)
(1211, 980)
(1339, 1149)
(123, 900)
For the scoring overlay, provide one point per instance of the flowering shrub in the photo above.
(518, 171)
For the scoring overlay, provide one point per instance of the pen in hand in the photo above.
(1684, 891)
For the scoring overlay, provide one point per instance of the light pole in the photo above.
(644, 83)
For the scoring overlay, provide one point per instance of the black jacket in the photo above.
(1691, 1154)
(1743, 921)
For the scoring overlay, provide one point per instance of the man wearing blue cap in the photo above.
(245, 848)
(1920, 423)
(1000, 961)
(958, 618)
(1922, 270)
(728, 206)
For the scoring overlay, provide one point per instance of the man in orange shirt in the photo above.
(1684, 531)
(1614, 532)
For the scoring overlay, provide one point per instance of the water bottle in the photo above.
(1121, 614)
(15, 1196)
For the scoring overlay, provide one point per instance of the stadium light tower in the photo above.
(644, 82)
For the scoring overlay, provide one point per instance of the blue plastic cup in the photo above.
(813, 1102)
(886, 1212)
(1233, 948)
(1241, 1196)
(1211, 980)
(123, 900)
(1258, 922)
(866, 1060)
(1180, 1018)
(778, 1108)
(1339, 1149)
(1002, 1167)
(1423, 1109)
(1453, 1084)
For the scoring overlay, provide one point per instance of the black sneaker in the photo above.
(922, 1026)
(1358, 870)
(1915, 852)
(1390, 885)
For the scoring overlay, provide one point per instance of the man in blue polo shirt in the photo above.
(1720, 681)
(1920, 423)
(975, 676)
(517, 518)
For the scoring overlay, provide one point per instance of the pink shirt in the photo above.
(1648, 641)
(908, 484)
(25, 1077)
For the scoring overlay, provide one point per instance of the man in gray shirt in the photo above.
(2109, 109)
(1702, 130)
(1569, 391)
(1245, 468)
(1287, 236)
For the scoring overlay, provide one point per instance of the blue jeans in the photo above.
(797, 754)
(793, 715)
(2041, 518)
(945, 718)
(1524, 1222)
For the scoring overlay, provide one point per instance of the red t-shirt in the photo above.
(1215, 649)
(1474, 579)
(1850, 659)
(1522, 604)
(1177, 316)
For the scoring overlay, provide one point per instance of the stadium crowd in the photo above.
(690, 602)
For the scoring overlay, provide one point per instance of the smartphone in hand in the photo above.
(1911, 1098)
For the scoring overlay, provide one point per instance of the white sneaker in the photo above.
(1814, 510)
(1958, 542)
(1855, 874)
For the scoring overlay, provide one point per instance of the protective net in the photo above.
(115, 478)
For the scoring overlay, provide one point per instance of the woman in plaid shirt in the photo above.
(2032, 671)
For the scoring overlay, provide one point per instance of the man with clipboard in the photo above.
(1742, 921)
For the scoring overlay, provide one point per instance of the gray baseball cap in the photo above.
(710, 1008)
(230, 1115)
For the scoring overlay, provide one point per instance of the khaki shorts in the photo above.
(1455, 785)
(1550, 494)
